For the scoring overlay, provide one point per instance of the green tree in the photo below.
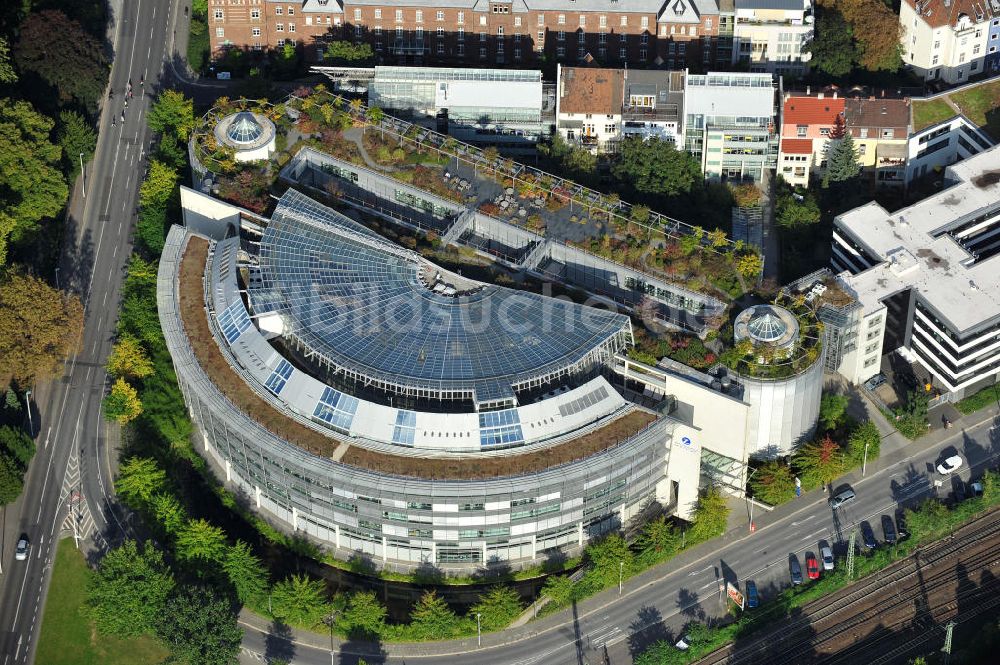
(497, 607)
(876, 29)
(927, 520)
(364, 616)
(656, 167)
(833, 49)
(375, 115)
(201, 540)
(158, 186)
(911, 419)
(128, 359)
(559, 589)
(64, 55)
(745, 195)
(76, 137)
(842, 163)
(11, 480)
(832, 410)
(299, 600)
(122, 403)
(129, 591)
(32, 187)
(7, 73)
(245, 571)
(431, 618)
(790, 213)
(15, 443)
(39, 327)
(200, 626)
(172, 113)
(341, 52)
(709, 516)
(750, 265)
(820, 463)
(864, 436)
(139, 478)
(659, 538)
(169, 512)
(609, 557)
(640, 214)
(773, 483)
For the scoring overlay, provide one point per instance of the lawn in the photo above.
(982, 106)
(988, 396)
(68, 638)
(926, 114)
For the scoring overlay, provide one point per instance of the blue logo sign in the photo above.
(686, 441)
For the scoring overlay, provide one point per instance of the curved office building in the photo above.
(355, 392)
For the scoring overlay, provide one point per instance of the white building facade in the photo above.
(948, 40)
(770, 35)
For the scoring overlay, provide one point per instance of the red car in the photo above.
(812, 567)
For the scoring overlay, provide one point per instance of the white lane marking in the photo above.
(804, 520)
(20, 596)
(41, 540)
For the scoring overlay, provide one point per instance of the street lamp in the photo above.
(57, 278)
(864, 462)
(479, 629)
(621, 571)
(84, 175)
(27, 401)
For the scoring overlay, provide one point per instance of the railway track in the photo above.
(844, 615)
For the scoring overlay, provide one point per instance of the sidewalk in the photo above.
(895, 449)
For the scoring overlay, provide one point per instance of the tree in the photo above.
(32, 187)
(200, 627)
(656, 167)
(11, 480)
(559, 589)
(865, 436)
(76, 137)
(7, 73)
(201, 540)
(340, 52)
(877, 30)
(609, 557)
(375, 115)
(245, 572)
(39, 327)
(64, 55)
(172, 113)
(773, 483)
(497, 607)
(709, 516)
(640, 214)
(659, 538)
(122, 403)
(750, 265)
(432, 618)
(16, 444)
(717, 237)
(833, 49)
(832, 410)
(299, 600)
(128, 359)
(911, 419)
(842, 161)
(364, 616)
(128, 593)
(158, 186)
(139, 478)
(796, 213)
(745, 195)
(820, 462)
(169, 512)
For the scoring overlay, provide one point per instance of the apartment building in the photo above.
(643, 33)
(729, 124)
(880, 128)
(589, 104)
(806, 123)
(950, 40)
(652, 104)
(770, 35)
(942, 144)
(927, 278)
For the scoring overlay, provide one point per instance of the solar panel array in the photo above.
(585, 402)
(234, 321)
(358, 301)
(500, 428)
(279, 376)
(336, 409)
(405, 428)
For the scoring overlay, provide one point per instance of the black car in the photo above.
(901, 528)
(958, 490)
(868, 536)
(795, 569)
(888, 530)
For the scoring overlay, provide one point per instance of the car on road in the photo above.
(21, 551)
(875, 382)
(753, 600)
(826, 554)
(795, 570)
(950, 465)
(888, 529)
(812, 566)
(868, 536)
(841, 498)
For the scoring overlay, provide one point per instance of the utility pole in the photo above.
(948, 629)
(850, 554)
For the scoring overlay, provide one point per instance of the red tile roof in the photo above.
(938, 13)
(797, 146)
(812, 110)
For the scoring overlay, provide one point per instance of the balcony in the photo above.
(409, 47)
(649, 114)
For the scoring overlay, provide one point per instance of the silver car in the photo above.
(826, 554)
(21, 553)
(842, 498)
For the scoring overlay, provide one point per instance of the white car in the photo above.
(683, 643)
(950, 465)
(21, 553)
(826, 554)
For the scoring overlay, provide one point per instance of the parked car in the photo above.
(888, 529)
(796, 571)
(875, 382)
(683, 643)
(976, 488)
(752, 598)
(21, 551)
(868, 536)
(841, 498)
(950, 465)
(902, 530)
(958, 490)
(826, 554)
(812, 566)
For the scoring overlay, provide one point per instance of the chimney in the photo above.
(834, 94)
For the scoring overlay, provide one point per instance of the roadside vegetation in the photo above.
(931, 521)
(988, 396)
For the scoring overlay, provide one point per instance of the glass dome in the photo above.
(767, 327)
(244, 128)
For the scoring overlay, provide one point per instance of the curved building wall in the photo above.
(783, 412)
(402, 522)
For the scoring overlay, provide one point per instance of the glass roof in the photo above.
(244, 128)
(358, 300)
(766, 327)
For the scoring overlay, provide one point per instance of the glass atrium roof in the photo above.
(766, 327)
(358, 301)
(244, 128)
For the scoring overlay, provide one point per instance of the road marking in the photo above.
(46, 444)
(39, 555)
(804, 520)
(699, 572)
(20, 596)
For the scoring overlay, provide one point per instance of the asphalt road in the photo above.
(73, 446)
(659, 607)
